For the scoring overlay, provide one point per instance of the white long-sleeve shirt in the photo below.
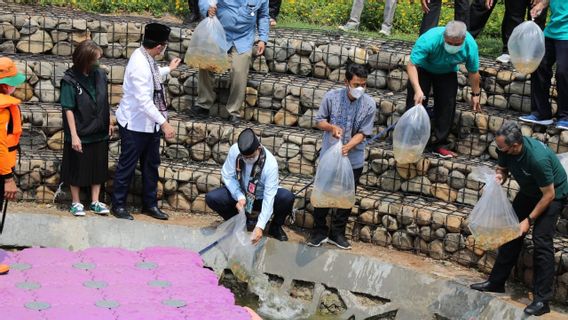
(137, 108)
(266, 188)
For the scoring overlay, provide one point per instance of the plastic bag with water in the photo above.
(492, 221)
(411, 135)
(334, 185)
(207, 47)
(526, 47)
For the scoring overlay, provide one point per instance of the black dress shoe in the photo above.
(277, 233)
(155, 212)
(537, 308)
(121, 213)
(197, 111)
(488, 287)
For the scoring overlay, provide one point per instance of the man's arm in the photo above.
(412, 72)
(263, 22)
(270, 190)
(548, 195)
(324, 113)
(474, 80)
(229, 174)
(502, 174)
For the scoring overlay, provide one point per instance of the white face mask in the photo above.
(251, 161)
(356, 92)
(163, 52)
(452, 49)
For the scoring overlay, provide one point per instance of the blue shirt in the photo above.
(352, 116)
(557, 27)
(429, 53)
(266, 188)
(240, 19)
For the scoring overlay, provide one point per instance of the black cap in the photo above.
(248, 142)
(157, 32)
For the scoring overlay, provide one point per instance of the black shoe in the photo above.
(197, 111)
(121, 213)
(537, 308)
(316, 240)
(192, 17)
(235, 119)
(277, 233)
(488, 287)
(340, 241)
(155, 212)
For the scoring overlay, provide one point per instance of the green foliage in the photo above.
(155, 7)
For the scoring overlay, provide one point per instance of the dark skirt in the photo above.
(87, 168)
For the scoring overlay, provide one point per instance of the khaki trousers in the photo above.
(239, 76)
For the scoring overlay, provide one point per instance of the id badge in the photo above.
(248, 205)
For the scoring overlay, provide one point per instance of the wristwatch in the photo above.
(531, 220)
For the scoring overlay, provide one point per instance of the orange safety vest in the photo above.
(14, 128)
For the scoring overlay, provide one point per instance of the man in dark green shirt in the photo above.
(541, 198)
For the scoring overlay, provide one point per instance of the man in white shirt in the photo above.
(141, 114)
(250, 174)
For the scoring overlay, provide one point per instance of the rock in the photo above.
(189, 190)
(556, 145)
(321, 70)
(472, 146)
(53, 123)
(58, 35)
(465, 257)
(520, 88)
(46, 92)
(288, 150)
(438, 174)
(55, 142)
(62, 48)
(390, 181)
(130, 48)
(490, 85)
(251, 96)
(358, 55)
(208, 182)
(457, 179)
(482, 122)
(377, 79)
(397, 80)
(504, 77)
(467, 196)
(170, 186)
(29, 27)
(179, 202)
(417, 185)
(8, 47)
(259, 65)
(334, 56)
(385, 60)
(299, 65)
(520, 103)
(436, 250)
(177, 152)
(311, 98)
(453, 223)
(30, 180)
(78, 37)
(337, 75)
(381, 237)
(369, 217)
(365, 234)
(425, 233)
(125, 32)
(402, 240)
(422, 166)
(114, 50)
(38, 42)
(497, 101)
(452, 242)
(299, 165)
(24, 92)
(44, 195)
(423, 217)
(316, 56)
(199, 205)
(379, 166)
(263, 116)
(443, 192)
(309, 152)
(200, 152)
(406, 171)
(292, 104)
(220, 152)
(307, 120)
(389, 222)
(285, 118)
(10, 32)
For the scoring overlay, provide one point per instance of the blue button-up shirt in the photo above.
(240, 19)
(266, 188)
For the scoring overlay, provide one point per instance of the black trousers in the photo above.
(445, 88)
(137, 146)
(515, 13)
(556, 52)
(222, 202)
(431, 19)
(339, 220)
(543, 233)
(274, 8)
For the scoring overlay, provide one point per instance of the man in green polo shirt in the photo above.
(556, 51)
(541, 198)
(434, 64)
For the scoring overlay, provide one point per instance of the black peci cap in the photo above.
(248, 142)
(156, 32)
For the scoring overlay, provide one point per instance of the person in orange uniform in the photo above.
(10, 131)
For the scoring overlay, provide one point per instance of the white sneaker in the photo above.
(349, 26)
(385, 32)
(77, 210)
(504, 58)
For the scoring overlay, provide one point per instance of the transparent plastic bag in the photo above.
(334, 185)
(493, 221)
(526, 47)
(207, 47)
(563, 157)
(411, 135)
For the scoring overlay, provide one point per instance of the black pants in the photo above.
(515, 13)
(339, 220)
(274, 8)
(543, 256)
(445, 91)
(137, 146)
(556, 52)
(194, 7)
(431, 19)
(222, 202)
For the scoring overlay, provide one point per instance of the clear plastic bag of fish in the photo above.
(208, 46)
(526, 47)
(334, 185)
(492, 221)
(411, 135)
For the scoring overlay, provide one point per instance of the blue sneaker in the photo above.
(562, 125)
(533, 119)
